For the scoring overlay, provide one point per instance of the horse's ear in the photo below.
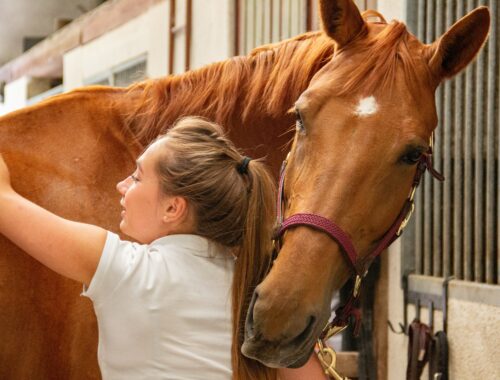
(453, 51)
(341, 20)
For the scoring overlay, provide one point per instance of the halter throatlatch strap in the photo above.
(359, 267)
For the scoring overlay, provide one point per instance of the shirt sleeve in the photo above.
(117, 260)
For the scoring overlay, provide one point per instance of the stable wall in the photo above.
(473, 309)
(28, 18)
(144, 35)
(473, 320)
(16, 95)
(212, 39)
(147, 35)
(213, 31)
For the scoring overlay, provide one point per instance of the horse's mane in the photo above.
(268, 80)
(264, 83)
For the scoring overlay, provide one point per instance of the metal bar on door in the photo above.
(468, 217)
(437, 156)
(419, 196)
(448, 124)
(458, 168)
(478, 250)
(428, 37)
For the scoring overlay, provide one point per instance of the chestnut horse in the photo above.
(363, 124)
(68, 153)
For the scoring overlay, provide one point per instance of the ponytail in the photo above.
(251, 266)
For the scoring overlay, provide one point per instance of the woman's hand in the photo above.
(4, 176)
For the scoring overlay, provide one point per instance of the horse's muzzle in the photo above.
(290, 347)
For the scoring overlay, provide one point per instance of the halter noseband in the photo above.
(358, 267)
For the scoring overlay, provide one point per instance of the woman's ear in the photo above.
(174, 209)
(453, 51)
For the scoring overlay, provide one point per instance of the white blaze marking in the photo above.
(367, 106)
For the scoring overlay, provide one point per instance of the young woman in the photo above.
(171, 305)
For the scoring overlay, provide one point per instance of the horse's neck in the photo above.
(241, 93)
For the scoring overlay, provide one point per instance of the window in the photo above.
(122, 75)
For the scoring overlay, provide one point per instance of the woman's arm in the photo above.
(71, 249)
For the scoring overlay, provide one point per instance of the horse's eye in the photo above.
(411, 157)
(299, 124)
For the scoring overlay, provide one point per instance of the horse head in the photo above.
(363, 126)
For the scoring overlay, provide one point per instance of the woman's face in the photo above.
(142, 214)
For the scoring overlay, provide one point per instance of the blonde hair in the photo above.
(231, 207)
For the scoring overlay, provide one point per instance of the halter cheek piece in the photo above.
(359, 267)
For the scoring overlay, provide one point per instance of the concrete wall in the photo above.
(144, 35)
(16, 95)
(147, 35)
(473, 321)
(22, 92)
(28, 18)
(474, 335)
(392, 9)
(213, 31)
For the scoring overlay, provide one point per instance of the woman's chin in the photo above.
(123, 227)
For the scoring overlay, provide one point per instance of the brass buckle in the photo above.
(357, 286)
(332, 330)
(406, 219)
(328, 359)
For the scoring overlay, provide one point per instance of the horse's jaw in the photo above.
(290, 352)
(285, 319)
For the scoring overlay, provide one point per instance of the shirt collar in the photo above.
(195, 244)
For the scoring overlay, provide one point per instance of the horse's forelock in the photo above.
(383, 54)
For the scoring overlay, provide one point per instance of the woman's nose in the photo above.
(122, 186)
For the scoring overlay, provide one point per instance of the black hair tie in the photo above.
(243, 165)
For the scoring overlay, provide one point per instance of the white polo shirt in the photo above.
(164, 309)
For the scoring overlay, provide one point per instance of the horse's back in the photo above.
(66, 155)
